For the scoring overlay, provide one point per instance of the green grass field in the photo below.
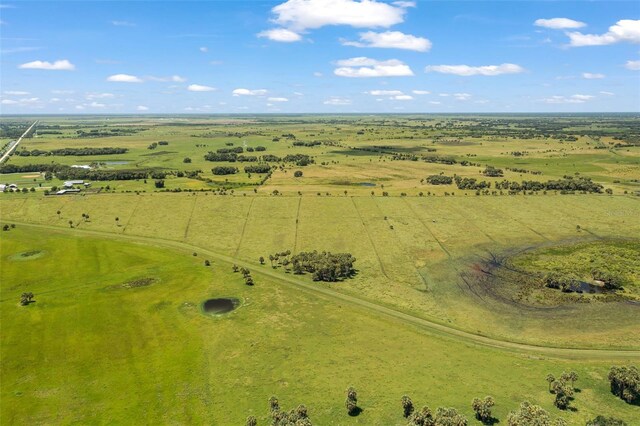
(416, 318)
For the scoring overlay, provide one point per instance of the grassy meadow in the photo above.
(416, 318)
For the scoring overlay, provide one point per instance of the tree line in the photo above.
(72, 151)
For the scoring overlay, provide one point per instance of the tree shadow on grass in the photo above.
(356, 412)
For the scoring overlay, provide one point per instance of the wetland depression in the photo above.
(222, 305)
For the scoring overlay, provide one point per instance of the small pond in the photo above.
(220, 305)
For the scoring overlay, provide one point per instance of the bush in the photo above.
(224, 170)
(297, 173)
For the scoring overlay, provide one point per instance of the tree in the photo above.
(482, 408)
(248, 280)
(625, 383)
(186, 160)
(449, 417)
(235, 268)
(262, 260)
(58, 213)
(423, 417)
(351, 402)
(159, 183)
(531, 415)
(70, 224)
(550, 379)
(5, 228)
(563, 392)
(297, 173)
(26, 298)
(606, 421)
(407, 406)
(274, 405)
(251, 421)
(207, 263)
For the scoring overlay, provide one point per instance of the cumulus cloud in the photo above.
(559, 23)
(421, 92)
(625, 30)
(391, 40)
(278, 99)
(142, 108)
(249, 92)
(280, 34)
(8, 102)
(363, 67)
(403, 97)
(200, 88)
(300, 15)
(632, 65)
(592, 76)
(124, 78)
(60, 65)
(16, 93)
(573, 99)
(204, 49)
(466, 70)
(336, 100)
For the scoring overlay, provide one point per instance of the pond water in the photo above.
(221, 305)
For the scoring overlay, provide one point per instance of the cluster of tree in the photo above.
(270, 158)
(246, 274)
(163, 143)
(236, 150)
(560, 281)
(518, 170)
(224, 170)
(532, 415)
(606, 421)
(299, 159)
(425, 417)
(7, 227)
(295, 417)
(232, 157)
(625, 383)
(307, 143)
(439, 180)
(73, 151)
(563, 388)
(471, 183)
(439, 159)
(324, 266)
(13, 130)
(491, 171)
(567, 183)
(23, 168)
(153, 145)
(26, 298)
(74, 173)
(257, 168)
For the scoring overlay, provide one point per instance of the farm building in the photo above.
(70, 183)
(67, 191)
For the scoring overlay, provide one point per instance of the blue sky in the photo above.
(303, 56)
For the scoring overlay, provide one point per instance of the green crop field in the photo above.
(455, 223)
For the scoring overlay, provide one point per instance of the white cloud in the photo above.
(60, 65)
(124, 78)
(122, 24)
(592, 76)
(421, 92)
(8, 102)
(16, 92)
(92, 96)
(573, 99)
(466, 70)
(173, 78)
(299, 15)
(624, 30)
(200, 88)
(62, 92)
(317, 74)
(335, 100)
(95, 104)
(559, 23)
(391, 40)
(384, 92)
(142, 108)
(278, 99)
(607, 93)
(632, 65)
(281, 34)
(435, 102)
(462, 96)
(249, 92)
(204, 49)
(404, 3)
(19, 50)
(403, 97)
(366, 67)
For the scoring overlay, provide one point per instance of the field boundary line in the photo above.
(295, 237)
(244, 227)
(375, 251)
(193, 208)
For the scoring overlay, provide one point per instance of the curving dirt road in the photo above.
(423, 324)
